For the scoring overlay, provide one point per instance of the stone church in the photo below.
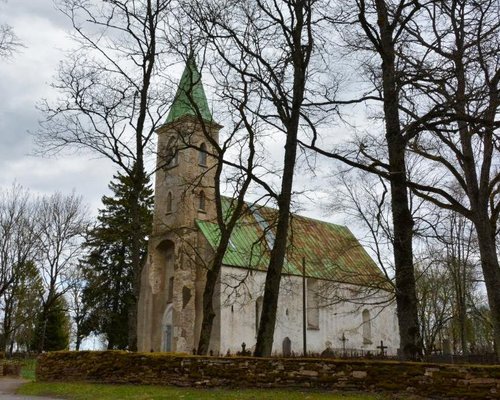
(329, 280)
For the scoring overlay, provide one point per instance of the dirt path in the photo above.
(8, 387)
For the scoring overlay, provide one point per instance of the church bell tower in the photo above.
(172, 282)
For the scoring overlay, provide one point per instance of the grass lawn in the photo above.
(85, 391)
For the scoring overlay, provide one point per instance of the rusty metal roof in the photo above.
(330, 251)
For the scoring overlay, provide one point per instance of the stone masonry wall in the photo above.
(435, 381)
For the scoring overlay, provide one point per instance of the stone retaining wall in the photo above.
(436, 381)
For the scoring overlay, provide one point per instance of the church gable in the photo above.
(331, 252)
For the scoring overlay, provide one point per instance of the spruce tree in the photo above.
(57, 328)
(108, 268)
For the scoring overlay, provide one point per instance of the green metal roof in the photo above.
(331, 251)
(190, 95)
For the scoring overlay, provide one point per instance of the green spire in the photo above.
(190, 95)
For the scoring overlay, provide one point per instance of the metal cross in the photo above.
(382, 348)
(343, 339)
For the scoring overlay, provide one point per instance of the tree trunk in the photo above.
(265, 336)
(300, 52)
(460, 287)
(478, 188)
(226, 229)
(135, 254)
(406, 298)
(491, 272)
(43, 331)
(208, 295)
(138, 176)
(5, 338)
(78, 341)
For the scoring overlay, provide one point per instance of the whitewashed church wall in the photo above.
(240, 292)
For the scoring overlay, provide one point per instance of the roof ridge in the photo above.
(295, 215)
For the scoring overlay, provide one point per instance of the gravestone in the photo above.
(287, 347)
(328, 352)
(446, 347)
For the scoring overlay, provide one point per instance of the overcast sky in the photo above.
(24, 80)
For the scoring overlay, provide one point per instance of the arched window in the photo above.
(258, 313)
(201, 201)
(170, 294)
(167, 329)
(171, 153)
(312, 304)
(367, 327)
(169, 202)
(202, 155)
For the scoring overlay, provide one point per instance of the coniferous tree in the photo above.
(108, 268)
(55, 325)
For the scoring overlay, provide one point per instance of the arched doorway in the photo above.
(167, 329)
(287, 347)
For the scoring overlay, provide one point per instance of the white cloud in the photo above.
(25, 80)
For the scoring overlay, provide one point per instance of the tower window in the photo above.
(202, 155)
(201, 201)
(169, 202)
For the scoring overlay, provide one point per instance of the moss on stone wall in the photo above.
(436, 381)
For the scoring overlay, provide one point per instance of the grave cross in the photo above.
(243, 346)
(343, 339)
(382, 348)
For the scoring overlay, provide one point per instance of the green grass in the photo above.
(85, 391)
(28, 367)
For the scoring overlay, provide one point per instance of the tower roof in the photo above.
(190, 96)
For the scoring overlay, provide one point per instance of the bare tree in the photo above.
(9, 42)
(20, 302)
(112, 94)
(365, 201)
(269, 46)
(63, 222)
(446, 275)
(456, 64)
(77, 308)
(40, 244)
(18, 250)
(375, 29)
(18, 234)
(434, 304)
(461, 261)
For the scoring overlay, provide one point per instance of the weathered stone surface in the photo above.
(179, 370)
(308, 373)
(359, 374)
(483, 381)
(430, 371)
